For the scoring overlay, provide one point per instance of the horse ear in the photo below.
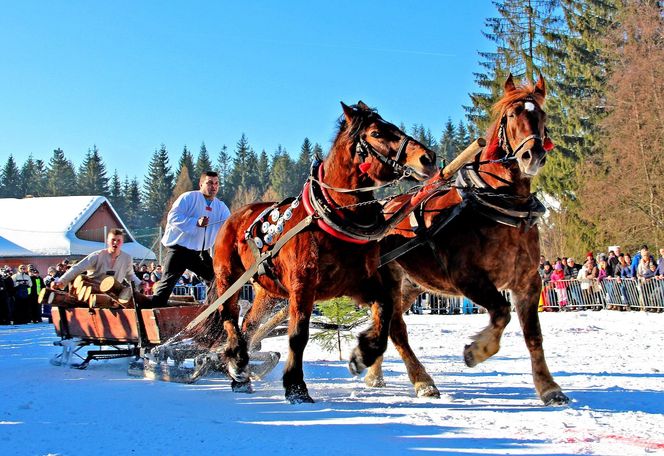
(509, 84)
(361, 105)
(540, 87)
(349, 113)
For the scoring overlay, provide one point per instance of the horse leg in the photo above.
(421, 380)
(526, 307)
(301, 303)
(486, 343)
(372, 342)
(235, 349)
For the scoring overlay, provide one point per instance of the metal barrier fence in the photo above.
(586, 294)
(566, 295)
(609, 293)
(199, 291)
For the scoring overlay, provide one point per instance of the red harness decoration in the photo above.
(306, 201)
(548, 144)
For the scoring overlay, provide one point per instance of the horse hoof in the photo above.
(468, 356)
(555, 398)
(428, 391)
(242, 387)
(355, 365)
(298, 395)
(374, 382)
(238, 375)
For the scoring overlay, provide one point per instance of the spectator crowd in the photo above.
(20, 288)
(613, 280)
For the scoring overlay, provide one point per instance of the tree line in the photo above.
(245, 176)
(603, 61)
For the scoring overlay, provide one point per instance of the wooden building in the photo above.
(45, 231)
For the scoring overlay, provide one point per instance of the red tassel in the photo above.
(548, 144)
(364, 167)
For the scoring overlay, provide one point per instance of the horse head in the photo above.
(382, 151)
(518, 137)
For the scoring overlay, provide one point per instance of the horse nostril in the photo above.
(542, 161)
(426, 161)
(526, 155)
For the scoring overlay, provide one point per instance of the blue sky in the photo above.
(129, 76)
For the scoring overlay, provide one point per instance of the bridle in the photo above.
(364, 149)
(504, 142)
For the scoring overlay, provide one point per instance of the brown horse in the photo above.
(478, 238)
(321, 262)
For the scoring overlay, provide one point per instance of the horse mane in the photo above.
(499, 108)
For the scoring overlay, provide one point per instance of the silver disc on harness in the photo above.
(258, 241)
(288, 213)
(279, 227)
(265, 226)
(295, 203)
(268, 238)
(274, 215)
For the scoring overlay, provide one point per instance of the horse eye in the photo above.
(375, 134)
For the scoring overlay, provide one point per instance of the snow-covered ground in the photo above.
(611, 364)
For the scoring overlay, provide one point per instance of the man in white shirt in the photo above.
(191, 229)
(111, 261)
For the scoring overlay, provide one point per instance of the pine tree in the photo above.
(263, 172)
(224, 170)
(448, 147)
(281, 182)
(252, 179)
(40, 178)
(187, 159)
(303, 163)
(239, 170)
(91, 176)
(575, 107)
(10, 179)
(115, 196)
(203, 164)
(134, 214)
(423, 135)
(32, 179)
(345, 316)
(462, 138)
(519, 39)
(157, 187)
(61, 176)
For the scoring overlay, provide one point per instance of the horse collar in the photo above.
(330, 218)
(496, 206)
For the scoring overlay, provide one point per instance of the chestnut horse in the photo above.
(318, 262)
(490, 244)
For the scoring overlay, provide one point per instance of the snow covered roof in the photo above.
(48, 226)
(9, 249)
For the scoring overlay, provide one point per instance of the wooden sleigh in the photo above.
(117, 323)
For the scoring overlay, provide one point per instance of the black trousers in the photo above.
(177, 260)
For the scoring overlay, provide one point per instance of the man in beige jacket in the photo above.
(111, 261)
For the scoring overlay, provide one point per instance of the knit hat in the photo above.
(558, 267)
